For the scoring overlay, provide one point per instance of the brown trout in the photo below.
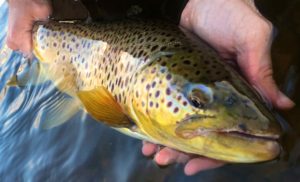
(157, 82)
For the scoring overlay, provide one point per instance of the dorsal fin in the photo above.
(103, 107)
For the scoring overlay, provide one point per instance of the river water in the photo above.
(84, 150)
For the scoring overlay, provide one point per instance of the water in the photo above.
(84, 150)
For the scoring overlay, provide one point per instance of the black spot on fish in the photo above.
(179, 98)
(169, 77)
(163, 48)
(112, 87)
(169, 104)
(154, 48)
(187, 62)
(147, 87)
(176, 109)
(153, 84)
(153, 70)
(157, 93)
(150, 103)
(168, 91)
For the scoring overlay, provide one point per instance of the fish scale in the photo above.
(158, 82)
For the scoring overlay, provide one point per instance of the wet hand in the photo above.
(21, 17)
(238, 31)
(167, 156)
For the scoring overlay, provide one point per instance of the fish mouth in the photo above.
(190, 132)
(248, 135)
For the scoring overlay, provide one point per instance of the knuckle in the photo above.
(267, 26)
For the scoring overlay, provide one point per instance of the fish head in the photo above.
(220, 107)
(206, 108)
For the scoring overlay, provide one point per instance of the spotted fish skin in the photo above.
(173, 86)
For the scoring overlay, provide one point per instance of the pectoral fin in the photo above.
(59, 112)
(29, 73)
(103, 107)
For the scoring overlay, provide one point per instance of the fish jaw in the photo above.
(217, 144)
(232, 145)
(236, 148)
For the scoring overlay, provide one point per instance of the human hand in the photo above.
(21, 17)
(166, 156)
(237, 31)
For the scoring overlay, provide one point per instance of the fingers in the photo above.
(200, 164)
(258, 70)
(19, 34)
(255, 62)
(164, 156)
(22, 15)
(149, 149)
(167, 156)
(266, 85)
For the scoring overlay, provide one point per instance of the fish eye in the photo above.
(198, 99)
(197, 103)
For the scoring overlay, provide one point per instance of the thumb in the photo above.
(267, 87)
(259, 73)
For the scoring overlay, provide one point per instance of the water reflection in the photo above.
(83, 150)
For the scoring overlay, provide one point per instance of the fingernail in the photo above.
(163, 160)
(284, 101)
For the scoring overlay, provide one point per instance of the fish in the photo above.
(155, 81)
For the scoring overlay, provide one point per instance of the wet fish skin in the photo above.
(170, 84)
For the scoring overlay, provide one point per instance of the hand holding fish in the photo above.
(22, 15)
(238, 31)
